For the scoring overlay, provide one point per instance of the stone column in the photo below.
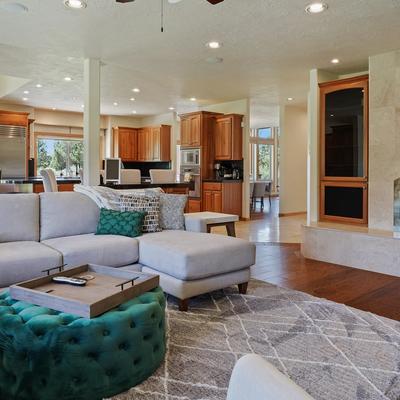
(91, 122)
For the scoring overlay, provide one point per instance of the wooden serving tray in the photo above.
(98, 295)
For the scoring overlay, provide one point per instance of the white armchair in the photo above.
(254, 378)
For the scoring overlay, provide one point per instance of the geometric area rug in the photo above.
(333, 351)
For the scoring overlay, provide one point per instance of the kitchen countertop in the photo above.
(146, 184)
(38, 179)
(223, 180)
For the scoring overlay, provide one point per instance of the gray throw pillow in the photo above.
(146, 202)
(172, 207)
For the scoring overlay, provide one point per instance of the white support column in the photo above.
(91, 122)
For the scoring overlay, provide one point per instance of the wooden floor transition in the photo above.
(283, 265)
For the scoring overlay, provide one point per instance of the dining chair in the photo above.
(49, 180)
(259, 192)
(251, 195)
(162, 175)
(131, 177)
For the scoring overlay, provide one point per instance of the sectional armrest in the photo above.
(253, 378)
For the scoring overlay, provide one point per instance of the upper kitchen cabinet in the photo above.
(196, 128)
(126, 143)
(228, 137)
(154, 143)
(191, 130)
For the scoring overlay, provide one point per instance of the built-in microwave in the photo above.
(190, 157)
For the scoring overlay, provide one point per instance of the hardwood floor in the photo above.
(283, 265)
(279, 261)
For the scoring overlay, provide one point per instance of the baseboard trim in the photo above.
(292, 214)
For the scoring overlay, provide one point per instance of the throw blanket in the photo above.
(106, 197)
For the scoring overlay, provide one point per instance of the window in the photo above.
(264, 154)
(65, 156)
(264, 133)
(264, 161)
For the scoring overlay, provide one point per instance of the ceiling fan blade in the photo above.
(214, 2)
(124, 1)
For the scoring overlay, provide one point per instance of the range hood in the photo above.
(13, 151)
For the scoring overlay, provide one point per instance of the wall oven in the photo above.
(192, 174)
(190, 157)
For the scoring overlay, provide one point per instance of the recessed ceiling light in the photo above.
(25, 99)
(132, 99)
(290, 98)
(214, 45)
(115, 104)
(26, 91)
(133, 111)
(171, 108)
(335, 61)
(136, 90)
(38, 85)
(76, 4)
(67, 79)
(54, 108)
(82, 106)
(193, 99)
(316, 8)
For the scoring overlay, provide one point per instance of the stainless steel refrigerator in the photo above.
(12, 151)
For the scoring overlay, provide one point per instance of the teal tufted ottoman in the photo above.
(48, 355)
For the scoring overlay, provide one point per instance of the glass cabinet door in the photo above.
(344, 133)
(344, 150)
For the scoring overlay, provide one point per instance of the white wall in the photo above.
(240, 107)
(293, 160)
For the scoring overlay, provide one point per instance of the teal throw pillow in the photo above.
(123, 223)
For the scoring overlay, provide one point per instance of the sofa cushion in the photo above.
(67, 214)
(191, 255)
(109, 250)
(21, 261)
(19, 217)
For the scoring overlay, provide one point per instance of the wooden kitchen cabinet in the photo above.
(125, 143)
(228, 137)
(223, 197)
(154, 143)
(191, 131)
(193, 206)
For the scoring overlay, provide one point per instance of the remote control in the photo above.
(69, 281)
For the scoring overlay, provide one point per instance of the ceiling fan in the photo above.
(213, 2)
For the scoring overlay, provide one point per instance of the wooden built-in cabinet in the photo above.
(225, 197)
(191, 126)
(143, 144)
(194, 205)
(228, 137)
(344, 150)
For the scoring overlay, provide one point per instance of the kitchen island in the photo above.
(66, 184)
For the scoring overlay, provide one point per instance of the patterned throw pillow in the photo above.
(147, 202)
(172, 207)
(128, 223)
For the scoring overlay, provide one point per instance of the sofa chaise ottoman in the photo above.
(192, 263)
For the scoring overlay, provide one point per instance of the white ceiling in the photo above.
(268, 48)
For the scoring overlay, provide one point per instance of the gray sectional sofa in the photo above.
(44, 231)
